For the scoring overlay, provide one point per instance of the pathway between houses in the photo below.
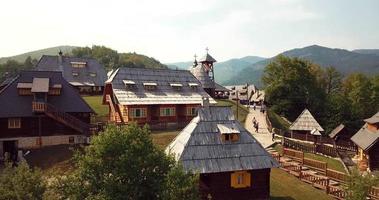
(263, 136)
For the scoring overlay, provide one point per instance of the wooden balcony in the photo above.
(38, 107)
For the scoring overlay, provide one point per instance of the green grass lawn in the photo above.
(284, 186)
(332, 163)
(163, 138)
(242, 111)
(96, 103)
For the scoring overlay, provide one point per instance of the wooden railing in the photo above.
(296, 155)
(374, 193)
(316, 165)
(337, 176)
(299, 146)
(276, 156)
(114, 116)
(336, 192)
(326, 150)
(38, 106)
(310, 148)
(67, 119)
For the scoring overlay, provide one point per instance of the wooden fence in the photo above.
(296, 155)
(316, 165)
(310, 148)
(337, 176)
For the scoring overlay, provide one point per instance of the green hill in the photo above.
(343, 60)
(38, 53)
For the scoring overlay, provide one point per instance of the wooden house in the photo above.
(162, 98)
(245, 92)
(40, 108)
(367, 141)
(232, 164)
(305, 124)
(85, 74)
(342, 136)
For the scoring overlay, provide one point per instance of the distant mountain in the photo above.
(38, 53)
(343, 60)
(367, 51)
(223, 70)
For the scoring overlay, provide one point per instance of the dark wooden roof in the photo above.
(200, 148)
(83, 77)
(207, 58)
(14, 105)
(336, 131)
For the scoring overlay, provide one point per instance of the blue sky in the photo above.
(174, 30)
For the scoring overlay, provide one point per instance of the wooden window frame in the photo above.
(14, 123)
(167, 112)
(142, 111)
(240, 179)
(191, 111)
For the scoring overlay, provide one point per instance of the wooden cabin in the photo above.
(245, 93)
(221, 92)
(368, 147)
(40, 108)
(304, 125)
(87, 75)
(162, 98)
(342, 136)
(232, 164)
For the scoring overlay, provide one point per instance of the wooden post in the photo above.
(237, 103)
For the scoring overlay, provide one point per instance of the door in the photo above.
(10, 148)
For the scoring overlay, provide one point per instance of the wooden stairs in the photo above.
(62, 117)
(114, 115)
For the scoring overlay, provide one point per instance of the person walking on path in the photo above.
(256, 127)
(254, 106)
(273, 136)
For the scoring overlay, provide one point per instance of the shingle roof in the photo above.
(374, 119)
(365, 138)
(164, 93)
(14, 105)
(251, 89)
(220, 88)
(305, 122)
(336, 131)
(199, 146)
(83, 77)
(199, 72)
(207, 58)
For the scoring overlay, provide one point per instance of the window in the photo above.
(71, 140)
(138, 112)
(14, 123)
(54, 91)
(241, 179)
(78, 64)
(191, 111)
(92, 74)
(165, 112)
(75, 73)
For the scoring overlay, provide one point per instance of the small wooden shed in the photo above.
(367, 141)
(231, 162)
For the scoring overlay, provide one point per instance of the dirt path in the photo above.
(263, 136)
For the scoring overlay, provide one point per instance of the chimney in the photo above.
(205, 102)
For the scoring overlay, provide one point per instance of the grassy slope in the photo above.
(284, 186)
(277, 122)
(96, 104)
(332, 163)
(38, 53)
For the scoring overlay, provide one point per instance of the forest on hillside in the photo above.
(109, 58)
(293, 84)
